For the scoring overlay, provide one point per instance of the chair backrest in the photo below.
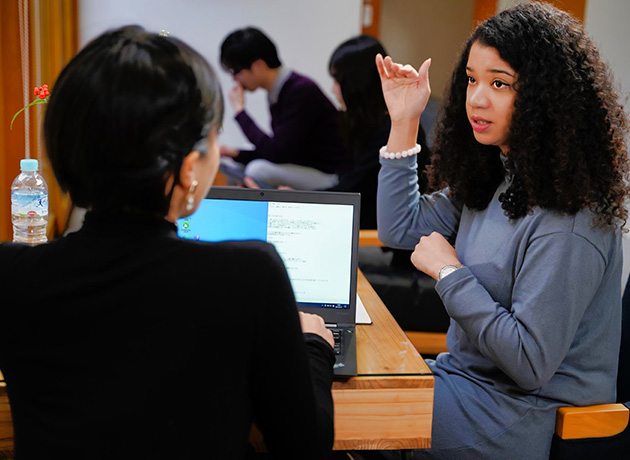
(623, 377)
(603, 431)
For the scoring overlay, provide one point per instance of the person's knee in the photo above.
(262, 170)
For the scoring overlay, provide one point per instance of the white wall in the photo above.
(606, 21)
(305, 33)
(505, 4)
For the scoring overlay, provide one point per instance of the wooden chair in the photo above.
(600, 431)
(427, 343)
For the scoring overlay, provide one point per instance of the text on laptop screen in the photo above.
(314, 241)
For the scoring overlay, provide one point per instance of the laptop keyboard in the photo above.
(337, 333)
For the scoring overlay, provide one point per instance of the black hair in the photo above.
(567, 134)
(243, 47)
(352, 66)
(122, 116)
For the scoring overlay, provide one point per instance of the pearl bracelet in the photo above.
(396, 155)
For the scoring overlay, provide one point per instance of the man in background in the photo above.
(305, 149)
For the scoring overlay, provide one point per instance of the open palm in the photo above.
(406, 90)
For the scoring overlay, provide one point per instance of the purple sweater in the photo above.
(305, 129)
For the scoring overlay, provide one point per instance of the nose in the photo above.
(477, 96)
(336, 90)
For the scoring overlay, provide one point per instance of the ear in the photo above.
(187, 173)
(259, 66)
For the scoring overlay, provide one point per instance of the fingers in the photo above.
(380, 66)
(424, 68)
(315, 324)
(249, 182)
(228, 151)
(387, 68)
(423, 72)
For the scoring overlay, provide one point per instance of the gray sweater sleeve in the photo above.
(403, 214)
(528, 340)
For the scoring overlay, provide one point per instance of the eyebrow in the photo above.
(501, 71)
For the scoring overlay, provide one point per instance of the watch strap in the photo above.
(447, 270)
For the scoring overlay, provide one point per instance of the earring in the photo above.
(190, 202)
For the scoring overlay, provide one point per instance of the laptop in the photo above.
(317, 236)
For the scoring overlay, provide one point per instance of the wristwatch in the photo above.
(447, 270)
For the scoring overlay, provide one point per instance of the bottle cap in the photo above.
(29, 165)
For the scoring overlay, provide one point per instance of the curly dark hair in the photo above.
(567, 148)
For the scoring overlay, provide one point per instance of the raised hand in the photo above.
(406, 90)
(236, 96)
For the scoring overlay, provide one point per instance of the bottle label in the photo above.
(29, 205)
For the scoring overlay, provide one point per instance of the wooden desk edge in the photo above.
(385, 349)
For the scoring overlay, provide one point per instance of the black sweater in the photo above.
(123, 341)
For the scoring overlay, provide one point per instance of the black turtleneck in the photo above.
(123, 341)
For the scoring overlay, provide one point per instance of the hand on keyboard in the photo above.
(315, 325)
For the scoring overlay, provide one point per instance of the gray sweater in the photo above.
(535, 316)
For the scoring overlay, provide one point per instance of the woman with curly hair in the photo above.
(531, 164)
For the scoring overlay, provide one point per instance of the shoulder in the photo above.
(235, 252)
(19, 259)
(298, 83)
(256, 251)
(12, 252)
(251, 266)
(580, 226)
(8, 249)
(299, 80)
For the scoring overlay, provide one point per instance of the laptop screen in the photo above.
(314, 239)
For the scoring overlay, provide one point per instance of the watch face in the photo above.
(446, 270)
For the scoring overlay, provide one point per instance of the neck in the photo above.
(269, 78)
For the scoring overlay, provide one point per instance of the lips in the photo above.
(479, 124)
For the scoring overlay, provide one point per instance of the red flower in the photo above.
(42, 94)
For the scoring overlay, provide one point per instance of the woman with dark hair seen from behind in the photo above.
(531, 162)
(129, 316)
(365, 123)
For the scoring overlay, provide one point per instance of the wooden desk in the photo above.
(389, 405)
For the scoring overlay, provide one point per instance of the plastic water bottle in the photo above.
(29, 205)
